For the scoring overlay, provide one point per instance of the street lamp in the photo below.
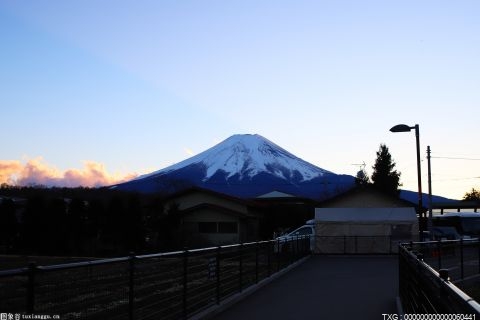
(405, 128)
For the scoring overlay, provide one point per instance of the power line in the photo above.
(457, 158)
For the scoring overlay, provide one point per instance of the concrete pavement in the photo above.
(325, 287)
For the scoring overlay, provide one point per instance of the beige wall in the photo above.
(195, 198)
(209, 215)
(222, 210)
(197, 239)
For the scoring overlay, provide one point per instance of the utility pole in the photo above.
(430, 213)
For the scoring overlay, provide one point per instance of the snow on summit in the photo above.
(248, 155)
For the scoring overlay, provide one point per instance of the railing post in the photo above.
(277, 254)
(439, 253)
(461, 258)
(302, 247)
(293, 257)
(185, 282)
(240, 267)
(131, 279)
(32, 267)
(256, 262)
(478, 248)
(218, 274)
(390, 244)
(344, 244)
(297, 253)
(269, 249)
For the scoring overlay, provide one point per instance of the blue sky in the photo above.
(137, 86)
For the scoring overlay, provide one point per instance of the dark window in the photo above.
(227, 227)
(207, 227)
(304, 231)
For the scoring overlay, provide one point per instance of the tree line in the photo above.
(83, 222)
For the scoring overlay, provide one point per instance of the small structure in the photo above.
(363, 230)
(209, 218)
(364, 220)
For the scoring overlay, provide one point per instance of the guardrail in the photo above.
(424, 290)
(174, 285)
(356, 245)
(460, 257)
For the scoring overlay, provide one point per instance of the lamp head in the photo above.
(401, 128)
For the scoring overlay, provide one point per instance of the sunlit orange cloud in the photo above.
(37, 172)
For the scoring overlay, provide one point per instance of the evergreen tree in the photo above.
(384, 177)
(362, 178)
(472, 195)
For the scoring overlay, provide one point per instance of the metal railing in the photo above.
(174, 285)
(424, 290)
(356, 245)
(460, 257)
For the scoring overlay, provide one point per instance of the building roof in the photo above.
(208, 191)
(218, 208)
(376, 215)
(363, 191)
(276, 194)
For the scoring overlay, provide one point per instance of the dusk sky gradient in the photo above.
(110, 89)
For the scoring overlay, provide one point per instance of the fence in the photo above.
(460, 257)
(173, 285)
(423, 290)
(356, 245)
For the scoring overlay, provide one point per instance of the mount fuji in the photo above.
(244, 166)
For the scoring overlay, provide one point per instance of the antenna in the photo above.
(361, 174)
(361, 165)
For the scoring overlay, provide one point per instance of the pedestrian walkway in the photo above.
(326, 287)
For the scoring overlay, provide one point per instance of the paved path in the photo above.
(326, 287)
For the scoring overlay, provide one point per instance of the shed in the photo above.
(364, 230)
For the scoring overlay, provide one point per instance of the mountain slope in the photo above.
(244, 166)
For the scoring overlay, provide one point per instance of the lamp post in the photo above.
(405, 128)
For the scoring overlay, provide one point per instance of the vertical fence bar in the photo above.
(478, 249)
(32, 268)
(277, 253)
(256, 262)
(240, 267)
(218, 275)
(269, 249)
(439, 253)
(297, 253)
(302, 247)
(344, 244)
(461, 258)
(293, 254)
(185, 282)
(131, 278)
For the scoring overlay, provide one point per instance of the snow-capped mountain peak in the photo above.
(244, 166)
(247, 155)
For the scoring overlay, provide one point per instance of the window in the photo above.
(207, 227)
(227, 227)
(304, 231)
(217, 227)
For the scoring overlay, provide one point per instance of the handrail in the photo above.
(164, 285)
(443, 282)
(473, 240)
(70, 265)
